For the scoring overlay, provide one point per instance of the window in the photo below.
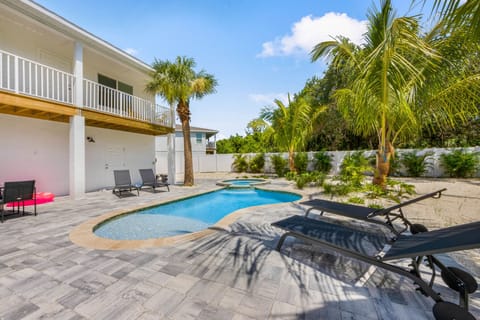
(199, 137)
(110, 98)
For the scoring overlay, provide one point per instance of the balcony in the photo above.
(211, 147)
(40, 91)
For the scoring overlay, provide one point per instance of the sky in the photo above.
(258, 50)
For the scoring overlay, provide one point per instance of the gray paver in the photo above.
(233, 274)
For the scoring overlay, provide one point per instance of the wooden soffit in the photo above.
(108, 121)
(26, 106)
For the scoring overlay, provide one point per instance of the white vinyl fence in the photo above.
(223, 162)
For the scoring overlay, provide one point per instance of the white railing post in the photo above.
(15, 74)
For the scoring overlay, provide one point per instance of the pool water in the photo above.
(242, 183)
(188, 215)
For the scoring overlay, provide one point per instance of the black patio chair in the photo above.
(123, 182)
(386, 216)
(149, 180)
(16, 192)
(419, 247)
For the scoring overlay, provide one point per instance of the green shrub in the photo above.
(279, 165)
(323, 162)
(301, 180)
(459, 163)
(356, 200)
(240, 163)
(340, 189)
(417, 165)
(291, 175)
(353, 168)
(257, 163)
(314, 178)
(395, 165)
(300, 161)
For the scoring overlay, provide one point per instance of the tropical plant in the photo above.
(178, 83)
(415, 164)
(257, 163)
(301, 162)
(240, 163)
(392, 66)
(279, 165)
(460, 163)
(313, 178)
(353, 168)
(323, 162)
(459, 13)
(291, 125)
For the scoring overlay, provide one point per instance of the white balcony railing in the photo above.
(105, 99)
(27, 77)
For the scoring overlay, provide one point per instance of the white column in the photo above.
(172, 172)
(77, 156)
(78, 73)
(77, 130)
(171, 152)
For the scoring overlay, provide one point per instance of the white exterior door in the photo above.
(114, 160)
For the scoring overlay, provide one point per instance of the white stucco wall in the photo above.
(38, 149)
(35, 149)
(116, 150)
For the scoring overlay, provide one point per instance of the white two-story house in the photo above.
(72, 106)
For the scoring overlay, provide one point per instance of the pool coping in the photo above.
(260, 182)
(84, 236)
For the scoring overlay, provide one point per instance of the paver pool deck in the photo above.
(233, 273)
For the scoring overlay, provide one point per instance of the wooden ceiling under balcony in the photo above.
(26, 106)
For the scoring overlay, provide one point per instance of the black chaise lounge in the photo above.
(419, 247)
(386, 216)
(149, 180)
(16, 192)
(123, 182)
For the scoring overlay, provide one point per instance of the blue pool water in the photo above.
(188, 215)
(243, 182)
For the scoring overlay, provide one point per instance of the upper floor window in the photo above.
(110, 98)
(199, 138)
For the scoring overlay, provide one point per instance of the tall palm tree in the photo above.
(457, 13)
(395, 65)
(178, 83)
(291, 125)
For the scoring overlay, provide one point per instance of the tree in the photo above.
(459, 13)
(391, 68)
(178, 83)
(291, 125)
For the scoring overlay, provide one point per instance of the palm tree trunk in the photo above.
(291, 161)
(183, 111)
(382, 169)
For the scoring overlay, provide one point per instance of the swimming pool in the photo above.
(187, 215)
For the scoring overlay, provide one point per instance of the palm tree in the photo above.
(457, 13)
(178, 83)
(390, 69)
(291, 125)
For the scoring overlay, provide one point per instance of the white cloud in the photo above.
(268, 98)
(131, 51)
(309, 31)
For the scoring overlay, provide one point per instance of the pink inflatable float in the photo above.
(42, 197)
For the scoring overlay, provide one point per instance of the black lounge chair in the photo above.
(149, 180)
(16, 192)
(387, 215)
(419, 248)
(123, 182)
